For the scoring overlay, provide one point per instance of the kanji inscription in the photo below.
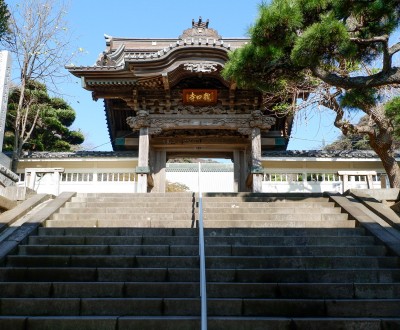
(200, 96)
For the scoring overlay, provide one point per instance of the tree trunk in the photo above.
(389, 164)
(14, 161)
(17, 151)
(383, 144)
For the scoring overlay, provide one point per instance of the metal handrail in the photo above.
(203, 287)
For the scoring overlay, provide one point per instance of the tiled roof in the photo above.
(322, 154)
(271, 154)
(80, 154)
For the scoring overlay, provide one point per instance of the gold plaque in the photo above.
(200, 96)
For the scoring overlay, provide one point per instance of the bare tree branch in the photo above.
(40, 43)
(382, 78)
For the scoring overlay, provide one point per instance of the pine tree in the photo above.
(332, 53)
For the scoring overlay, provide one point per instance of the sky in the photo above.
(89, 20)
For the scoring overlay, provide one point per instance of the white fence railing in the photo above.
(56, 182)
(275, 181)
(214, 177)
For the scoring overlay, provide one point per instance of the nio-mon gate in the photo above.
(166, 98)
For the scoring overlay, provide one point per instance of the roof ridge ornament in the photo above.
(200, 24)
(200, 29)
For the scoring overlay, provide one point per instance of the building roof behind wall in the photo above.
(80, 154)
(366, 154)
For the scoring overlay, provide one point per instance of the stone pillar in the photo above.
(243, 171)
(256, 168)
(5, 74)
(236, 170)
(143, 161)
(57, 182)
(159, 171)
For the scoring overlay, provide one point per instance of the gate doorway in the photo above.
(212, 175)
(223, 170)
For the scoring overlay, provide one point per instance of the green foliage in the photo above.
(290, 36)
(352, 141)
(4, 17)
(282, 108)
(360, 98)
(51, 132)
(392, 111)
(321, 42)
(277, 23)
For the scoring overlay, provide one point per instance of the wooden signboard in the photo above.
(200, 97)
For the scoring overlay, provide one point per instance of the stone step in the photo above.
(191, 307)
(271, 210)
(191, 289)
(99, 322)
(211, 232)
(276, 217)
(114, 240)
(207, 216)
(206, 204)
(207, 223)
(268, 205)
(136, 199)
(99, 289)
(136, 195)
(281, 275)
(265, 198)
(131, 204)
(193, 250)
(302, 262)
(122, 216)
(217, 262)
(230, 241)
(104, 223)
(192, 322)
(93, 274)
(280, 224)
(43, 231)
(126, 210)
(188, 198)
(288, 273)
(214, 210)
(116, 261)
(278, 196)
(371, 275)
(253, 232)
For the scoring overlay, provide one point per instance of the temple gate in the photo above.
(166, 98)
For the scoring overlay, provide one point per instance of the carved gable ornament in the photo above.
(243, 123)
(201, 67)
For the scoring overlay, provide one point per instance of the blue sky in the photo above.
(89, 20)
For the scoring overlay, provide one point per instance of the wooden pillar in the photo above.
(256, 159)
(240, 170)
(159, 170)
(143, 161)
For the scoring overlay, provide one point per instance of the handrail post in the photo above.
(203, 289)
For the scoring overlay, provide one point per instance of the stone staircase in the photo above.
(131, 262)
